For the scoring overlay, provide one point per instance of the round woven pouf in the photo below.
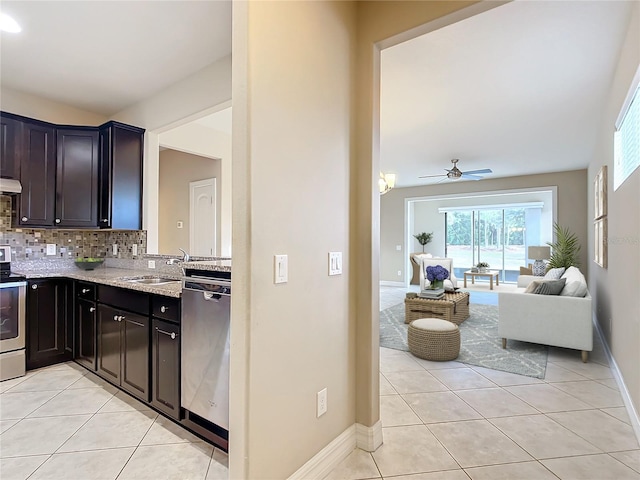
(434, 339)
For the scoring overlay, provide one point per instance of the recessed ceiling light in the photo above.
(8, 24)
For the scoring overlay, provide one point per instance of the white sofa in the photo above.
(426, 261)
(558, 320)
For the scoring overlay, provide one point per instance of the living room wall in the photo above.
(571, 211)
(614, 289)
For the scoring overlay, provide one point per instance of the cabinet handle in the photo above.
(24, 219)
(104, 220)
(116, 318)
(34, 286)
(136, 323)
(57, 220)
(86, 290)
(164, 309)
(92, 309)
(173, 335)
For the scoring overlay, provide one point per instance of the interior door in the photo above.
(202, 222)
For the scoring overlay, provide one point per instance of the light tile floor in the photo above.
(451, 421)
(64, 422)
(441, 421)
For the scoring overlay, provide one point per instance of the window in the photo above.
(626, 139)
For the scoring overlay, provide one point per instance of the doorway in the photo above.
(202, 217)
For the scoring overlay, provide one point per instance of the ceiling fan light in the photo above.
(386, 182)
(391, 180)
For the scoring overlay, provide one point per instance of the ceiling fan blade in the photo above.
(428, 176)
(472, 177)
(484, 170)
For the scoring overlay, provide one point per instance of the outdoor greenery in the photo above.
(565, 249)
(424, 238)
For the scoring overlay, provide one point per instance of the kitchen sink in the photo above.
(152, 280)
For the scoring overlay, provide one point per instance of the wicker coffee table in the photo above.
(453, 307)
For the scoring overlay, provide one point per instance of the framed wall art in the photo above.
(600, 242)
(600, 193)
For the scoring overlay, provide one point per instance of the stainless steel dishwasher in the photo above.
(206, 304)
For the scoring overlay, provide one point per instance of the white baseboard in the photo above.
(329, 457)
(626, 398)
(356, 436)
(388, 283)
(369, 438)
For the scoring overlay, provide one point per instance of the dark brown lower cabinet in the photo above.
(49, 324)
(123, 349)
(165, 367)
(86, 315)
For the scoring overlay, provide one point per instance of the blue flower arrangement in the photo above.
(437, 273)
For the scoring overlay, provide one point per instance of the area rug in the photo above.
(479, 342)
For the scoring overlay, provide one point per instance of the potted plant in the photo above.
(424, 238)
(437, 275)
(482, 267)
(565, 250)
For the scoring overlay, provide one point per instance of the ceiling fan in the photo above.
(456, 174)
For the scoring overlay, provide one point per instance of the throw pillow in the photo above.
(531, 288)
(550, 287)
(554, 273)
(525, 271)
(576, 285)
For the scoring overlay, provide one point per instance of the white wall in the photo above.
(292, 107)
(615, 289)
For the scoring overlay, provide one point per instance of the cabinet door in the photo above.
(10, 147)
(135, 354)
(86, 333)
(77, 178)
(109, 343)
(47, 312)
(120, 204)
(37, 175)
(165, 367)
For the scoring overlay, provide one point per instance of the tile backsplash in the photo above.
(31, 243)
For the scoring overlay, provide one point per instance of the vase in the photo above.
(436, 284)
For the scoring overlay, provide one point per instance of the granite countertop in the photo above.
(117, 277)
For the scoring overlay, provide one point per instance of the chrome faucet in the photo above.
(185, 258)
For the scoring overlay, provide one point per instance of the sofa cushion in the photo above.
(546, 287)
(576, 285)
(550, 287)
(554, 273)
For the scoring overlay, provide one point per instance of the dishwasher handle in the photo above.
(210, 288)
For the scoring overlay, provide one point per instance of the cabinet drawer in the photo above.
(86, 291)
(130, 300)
(167, 308)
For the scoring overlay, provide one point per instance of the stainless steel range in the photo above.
(12, 318)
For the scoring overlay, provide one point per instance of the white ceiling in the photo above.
(519, 89)
(103, 56)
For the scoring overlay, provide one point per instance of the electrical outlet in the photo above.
(399, 248)
(179, 224)
(134, 249)
(399, 273)
(51, 248)
(115, 249)
(151, 264)
(321, 398)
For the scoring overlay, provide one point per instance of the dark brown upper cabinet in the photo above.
(36, 204)
(120, 195)
(10, 150)
(77, 177)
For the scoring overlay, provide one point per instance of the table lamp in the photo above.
(539, 254)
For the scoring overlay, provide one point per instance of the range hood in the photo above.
(9, 185)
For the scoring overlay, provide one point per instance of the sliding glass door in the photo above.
(493, 235)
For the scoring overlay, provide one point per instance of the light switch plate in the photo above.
(51, 248)
(134, 249)
(280, 269)
(115, 249)
(335, 263)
